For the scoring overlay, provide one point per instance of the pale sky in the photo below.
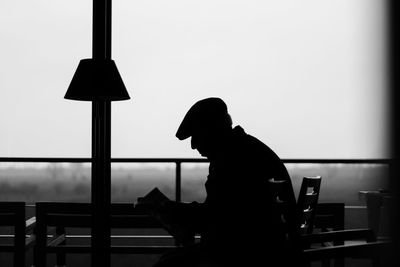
(306, 77)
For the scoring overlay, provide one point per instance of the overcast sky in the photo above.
(306, 77)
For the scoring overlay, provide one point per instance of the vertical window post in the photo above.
(178, 181)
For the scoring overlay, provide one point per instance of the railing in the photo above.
(178, 162)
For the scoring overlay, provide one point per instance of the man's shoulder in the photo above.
(249, 143)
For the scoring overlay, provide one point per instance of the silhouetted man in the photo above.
(233, 220)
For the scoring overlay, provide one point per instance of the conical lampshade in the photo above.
(97, 79)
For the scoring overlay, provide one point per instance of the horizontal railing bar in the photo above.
(187, 160)
(161, 160)
(50, 160)
(32, 206)
(72, 236)
(339, 161)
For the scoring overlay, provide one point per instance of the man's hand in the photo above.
(154, 209)
(173, 215)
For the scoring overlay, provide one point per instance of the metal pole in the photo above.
(178, 181)
(101, 144)
(178, 184)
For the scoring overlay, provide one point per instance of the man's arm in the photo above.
(182, 220)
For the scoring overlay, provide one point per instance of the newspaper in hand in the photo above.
(155, 197)
(154, 204)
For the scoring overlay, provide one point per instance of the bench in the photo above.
(12, 215)
(64, 228)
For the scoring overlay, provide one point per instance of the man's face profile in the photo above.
(202, 141)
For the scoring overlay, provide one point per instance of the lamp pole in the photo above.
(98, 80)
(101, 143)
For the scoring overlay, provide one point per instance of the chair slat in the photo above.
(116, 221)
(310, 199)
(312, 181)
(114, 249)
(7, 248)
(307, 215)
(30, 241)
(353, 234)
(352, 250)
(12, 207)
(12, 214)
(134, 221)
(30, 223)
(68, 220)
(7, 219)
(63, 207)
(57, 240)
(307, 203)
(78, 215)
(141, 249)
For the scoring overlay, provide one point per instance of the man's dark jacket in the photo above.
(234, 220)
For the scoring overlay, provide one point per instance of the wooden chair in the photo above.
(12, 214)
(329, 217)
(307, 202)
(284, 213)
(54, 220)
(369, 249)
(323, 216)
(302, 244)
(311, 214)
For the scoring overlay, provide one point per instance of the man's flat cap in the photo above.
(204, 113)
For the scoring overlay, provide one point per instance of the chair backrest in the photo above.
(307, 203)
(78, 215)
(62, 216)
(283, 213)
(283, 210)
(12, 213)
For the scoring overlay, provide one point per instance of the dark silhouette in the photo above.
(231, 221)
